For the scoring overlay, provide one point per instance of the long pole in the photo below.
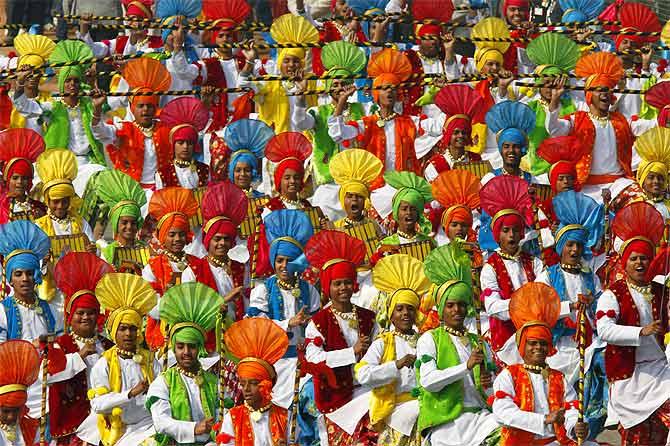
(44, 340)
(582, 352)
(607, 198)
(296, 398)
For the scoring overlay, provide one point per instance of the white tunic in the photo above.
(634, 399)
(33, 324)
(19, 437)
(188, 178)
(469, 429)
(224, 283)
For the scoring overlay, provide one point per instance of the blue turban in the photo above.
(25, 261)
(245, 157)
(513, 136)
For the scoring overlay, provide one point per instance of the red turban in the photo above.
(138, 9)
(17, 398)
(86, 300)
(536, 332)
(507, 220)
(289, 163)
(219, 226)
(339, 270)
(20, 166)
(664, 117)
(517, 3)
(173, 220)
(428, 30)
(562, 168)
(456, 122)
(458, 213)
(184, 132)
(638, 246)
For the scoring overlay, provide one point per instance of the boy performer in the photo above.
(121, 377)
(653, 147)
(632, 317)
(184, 399)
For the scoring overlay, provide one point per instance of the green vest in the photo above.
(57, 135)
(324, 146)
(180, 404)
(436, 408)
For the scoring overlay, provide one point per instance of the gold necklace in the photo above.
(381, 122)
(293, 287)
(571, 268)
(350, 222)
(219, 263)
(136, 357)
(184, 164)
(411, 339)
(197, 376)
(351, 318)
(9, 430)
(83, 340)
(543, 102)
(292, 202)
(452, 160)
(63, 223)
(506, 256)
(256, 414)
(602, 120)
(544, 370)
(180, 260)
(406, 235)
(644, 290)
(33, 306)
(462, 335)
(146, 131)
(654, 199)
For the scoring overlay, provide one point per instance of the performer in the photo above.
(185, 117)
(457, 192)
(388, 365)
(183, 400)
(543, 417)
(121, 377)
(21, 147)
(340, 58)
(75, 352)
(387, 135)
(508, 268)
(454, 368)
(125, 199)
(606, 134)
(20, 370)
(462, 107)
(224, 206)
(24, 315)
(337, 337)
(139, 147)
(653, 147)
(285, 298)
(258, 343)
(632, 317)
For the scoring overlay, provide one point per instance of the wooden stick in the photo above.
(222, 361)
(581, 315)
(607, 198)
(536, 222)
(296, 399)
(45, 376)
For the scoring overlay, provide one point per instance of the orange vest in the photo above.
(244, 433)
(128, 154)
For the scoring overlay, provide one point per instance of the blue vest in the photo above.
(14, 323)
(557, 281)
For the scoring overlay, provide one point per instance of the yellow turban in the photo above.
(483, 55)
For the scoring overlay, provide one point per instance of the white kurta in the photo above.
(282, 392)
(161, 413)
(634, 399)
(224, 283)
(376, 373)
(187, 177)
(33, 324)
(469, 429)
(509, 414)
(19, 437)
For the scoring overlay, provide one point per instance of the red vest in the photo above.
(620, 360)
(217, 78)
(203, 274)
(128, 154)
(168, 175)
(244, 433)
(440, 163)
(502, 330)
(121, 41)
(329, 399)
(412, 94)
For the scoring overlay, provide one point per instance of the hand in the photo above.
(140, 388)
(556, 93)
(362, 345)
(84, 24)
(581, 430)
(652, 329)
(448, 43)
(555, 417)
(92, 248)
(207, 94)
(92, 76)
(582, 34)
(249, 51)
(486, 379)
(380, 31)
(99, 98)
(204, 426)
(476, 357)
(440, 82)
(646, 53)
(300, 81)
(505, 78)
(23, 73)
(405, 361)
(300, 319)
(87, 350)
(233, 294)
(345, 93)
(178, 36)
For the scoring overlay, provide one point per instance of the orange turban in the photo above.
(535, 332)
(456, 213)
(173, 220)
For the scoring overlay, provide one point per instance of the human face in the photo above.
(145, 113)
(84, 322)
(175, 240)
(341, 9)
(454, 313)
(281, 262)
(536, 352)
(403, 317)
(515, 15)
(546, 92)
(491, 67)
(32, 84)
(219, 245)
(458, 229)
(72, 85)
(18, 185)
(565, 182)
(429, 48)
(654, 184)
(341, 291)
(224, 36)
(459, 139)
(59, 207)
(388, 97)
(126, 337)
(601, 101)
(510, 236)
(187, 356)
(251, 392)
(636, 268)
(408, 216)
(290, 65)
(335, 86)
(127, 229)
(242, 174)
(511, 154)
(572, 253)
(23, 282)
(183, 150)
(9, 415)
(291, 183)
(354, 205)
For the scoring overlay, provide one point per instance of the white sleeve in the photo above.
(372, 373)
(302, 119)
(73, 365)
(557, 126)
(572, 414)
(27, 107)
(430, 173)
(430, 377)
(258, 298)
(494, 304)
(314, 300)
(316, 354)
(103, 132)
(509, 414)
(3, 324)
(161, 413)
(608, 330)
(104, 403)
(179, 67)
(100, 49)
(228, 428)
(339, 131)
(243, 81)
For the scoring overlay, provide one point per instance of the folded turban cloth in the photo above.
(19, 166)
(639, 246)
(244, 156)
(535, 332)
(174, 220)
(562, 168)
(339, 270)
(26, 261)
(289, 163)
(647, 168)
(510, 220)
(291, 249)
(190, 335)
(128, 316)
(513, 135)
(86, 300)
(403, 296)
(356, 188)
(458, 213)
(483, 55)
(218, 226)
(457, 122)
(452, 290)
(125, 208)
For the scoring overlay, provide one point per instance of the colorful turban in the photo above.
(639, 245)
(127, 316)
(458, 213)
(647, 168)
(511, 219)
(285, 246)
(289, 163)
(218, 225)
(484, 55)
(173, 220)
(403, 296)
(452, 290)
(562, 168)
(247, 157)
(339, 270)
(454, 122)
(26, 261)
(85, 300)
(538, 331)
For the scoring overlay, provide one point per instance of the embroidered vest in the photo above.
(58, 131)
(620, 360)
(525, 399)
(128, 154)
(121, 41)
(327, 398)
(168, 175)
(14, 322)
(244, 432)
(502, 330)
